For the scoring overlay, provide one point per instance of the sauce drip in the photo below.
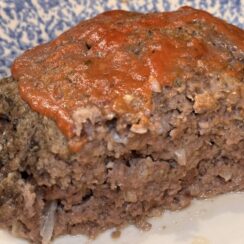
(114, 61)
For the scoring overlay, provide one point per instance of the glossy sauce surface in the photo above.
(116, 60)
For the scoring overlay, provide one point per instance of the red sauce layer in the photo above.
(115, 58)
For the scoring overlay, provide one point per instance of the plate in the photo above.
(214, 221)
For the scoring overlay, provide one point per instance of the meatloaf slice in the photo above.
(123, 116)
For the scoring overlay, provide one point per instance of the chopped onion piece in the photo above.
(128, 98)
(138, 129)
(181, 156)
(48, 222)
(155, 86)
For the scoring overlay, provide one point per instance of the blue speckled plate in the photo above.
(26, 23)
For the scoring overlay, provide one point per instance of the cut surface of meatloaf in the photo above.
(123, 116)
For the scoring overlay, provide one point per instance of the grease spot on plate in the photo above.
(116, 234)
(200, 240)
